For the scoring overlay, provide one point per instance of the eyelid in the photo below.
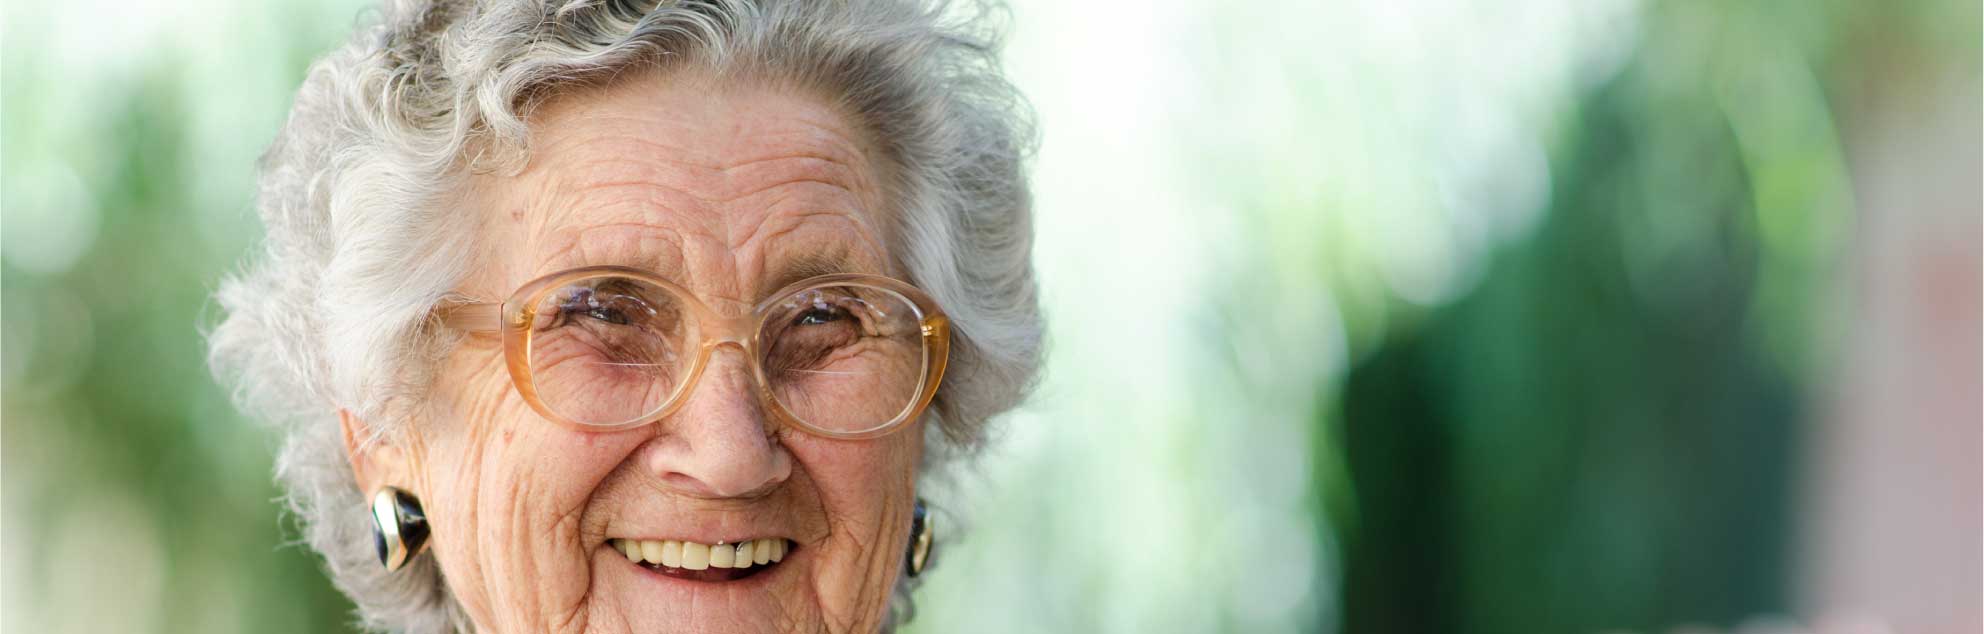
(866, 314)
(624, 301)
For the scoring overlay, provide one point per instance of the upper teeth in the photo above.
(696, 556)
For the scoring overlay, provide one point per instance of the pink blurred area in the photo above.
(1892, 543)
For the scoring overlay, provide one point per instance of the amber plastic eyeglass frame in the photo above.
(513, 318)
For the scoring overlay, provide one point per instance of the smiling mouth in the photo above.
(704, 562)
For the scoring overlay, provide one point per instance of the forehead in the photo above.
(726, 188)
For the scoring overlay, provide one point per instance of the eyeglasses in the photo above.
(607, 347)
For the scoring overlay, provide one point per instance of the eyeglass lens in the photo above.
(613, 350)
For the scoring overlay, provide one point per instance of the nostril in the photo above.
(684, 483)
(718, 468)
(751, 481)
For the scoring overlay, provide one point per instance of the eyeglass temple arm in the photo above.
(475, 318)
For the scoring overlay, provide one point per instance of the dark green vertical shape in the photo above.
(1594, 438)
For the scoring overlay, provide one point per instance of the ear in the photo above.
(377, 459)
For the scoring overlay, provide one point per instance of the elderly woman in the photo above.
(634, 316)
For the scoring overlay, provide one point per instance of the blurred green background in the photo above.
(1440, 316)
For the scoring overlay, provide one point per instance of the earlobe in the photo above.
(378, 463)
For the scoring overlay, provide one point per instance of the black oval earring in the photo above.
(399, 527)
(922, 539)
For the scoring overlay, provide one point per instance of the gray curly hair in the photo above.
(362, 243)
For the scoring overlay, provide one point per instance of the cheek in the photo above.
(856, 478)
(509, 494)
(481, 433)
(866, 489)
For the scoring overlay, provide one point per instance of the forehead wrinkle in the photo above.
(819, 141)
(803, 198)
(712, 186)
(644, 184)
(725, 184)
(835, 257)
(638, 202)
(822, 156)
(644, 246)
(717, 140)
(607, 163)
(592, 227)
(757, 175)
(773, 241)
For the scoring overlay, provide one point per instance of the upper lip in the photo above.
(733, 540)
(706, 526)
(704, 530)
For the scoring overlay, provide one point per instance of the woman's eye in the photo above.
(820, 316)
(608, 315)
(600, 308)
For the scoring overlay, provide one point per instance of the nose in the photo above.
(717, 445)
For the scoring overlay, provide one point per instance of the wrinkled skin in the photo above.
(720, 188)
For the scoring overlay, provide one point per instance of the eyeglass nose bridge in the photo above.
(737, 332)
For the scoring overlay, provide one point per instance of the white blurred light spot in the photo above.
(51, 218)
(1276, 571)
(1417, 259)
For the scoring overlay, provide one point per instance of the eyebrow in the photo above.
(809, 265)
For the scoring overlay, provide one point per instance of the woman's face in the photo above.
(731, 191)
